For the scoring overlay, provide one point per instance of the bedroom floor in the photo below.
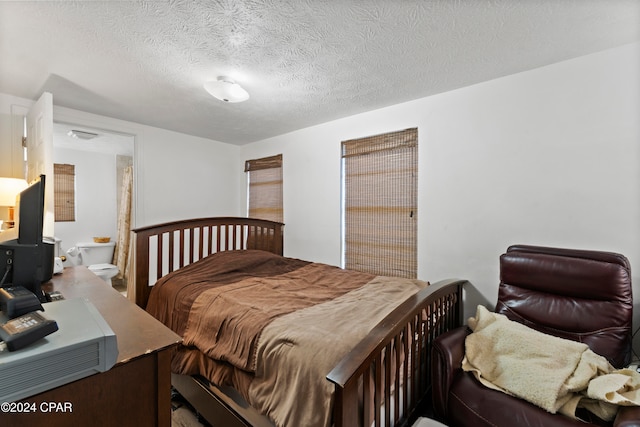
(182, 415)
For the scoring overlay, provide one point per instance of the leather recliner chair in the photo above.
(575, 294)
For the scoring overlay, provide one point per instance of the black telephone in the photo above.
(26, 325)
(26, 329)
(17, 300)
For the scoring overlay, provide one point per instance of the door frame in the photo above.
(106, 124)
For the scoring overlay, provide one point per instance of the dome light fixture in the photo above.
(226, 89)
(81, 134)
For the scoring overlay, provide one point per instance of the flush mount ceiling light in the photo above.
(225, 89)
(80, 134)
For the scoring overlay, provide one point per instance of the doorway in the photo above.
(100, 159)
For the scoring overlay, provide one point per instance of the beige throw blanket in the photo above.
(555, 374)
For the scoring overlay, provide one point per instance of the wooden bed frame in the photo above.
(395, 356)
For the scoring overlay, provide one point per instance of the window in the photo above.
(64, 192)
(265, 188)
(380, 180)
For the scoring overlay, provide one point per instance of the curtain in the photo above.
(265, 188)
(380, 175)
(121, 255)
(64, 190)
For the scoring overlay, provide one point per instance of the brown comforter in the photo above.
(220, 304)
(173, 295)
(242, 311)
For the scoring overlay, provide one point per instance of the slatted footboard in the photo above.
(385, 380)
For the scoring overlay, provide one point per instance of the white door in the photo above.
(40, 153)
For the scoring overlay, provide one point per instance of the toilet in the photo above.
(97, 258)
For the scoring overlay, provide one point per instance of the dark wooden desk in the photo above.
(135, 392)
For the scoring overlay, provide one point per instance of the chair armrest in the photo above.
(447, 354)
(628, 416)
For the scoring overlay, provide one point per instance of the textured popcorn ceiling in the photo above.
(304, 62)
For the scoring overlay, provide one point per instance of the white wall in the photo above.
(176, 176)
(548, 157)
(96, 195)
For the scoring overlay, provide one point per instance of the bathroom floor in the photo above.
(119, 285)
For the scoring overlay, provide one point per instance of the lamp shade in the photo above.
(225, 89)
(9, 189)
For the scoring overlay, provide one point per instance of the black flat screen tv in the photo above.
(30, 203)
(28, 260)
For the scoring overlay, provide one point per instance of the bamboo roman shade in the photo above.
(265, 188)
(380, 203)
(64, 192)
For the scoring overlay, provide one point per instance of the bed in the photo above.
(374, 366)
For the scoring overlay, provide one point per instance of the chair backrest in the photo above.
(580, 295)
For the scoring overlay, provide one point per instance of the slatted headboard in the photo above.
(163, 248)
